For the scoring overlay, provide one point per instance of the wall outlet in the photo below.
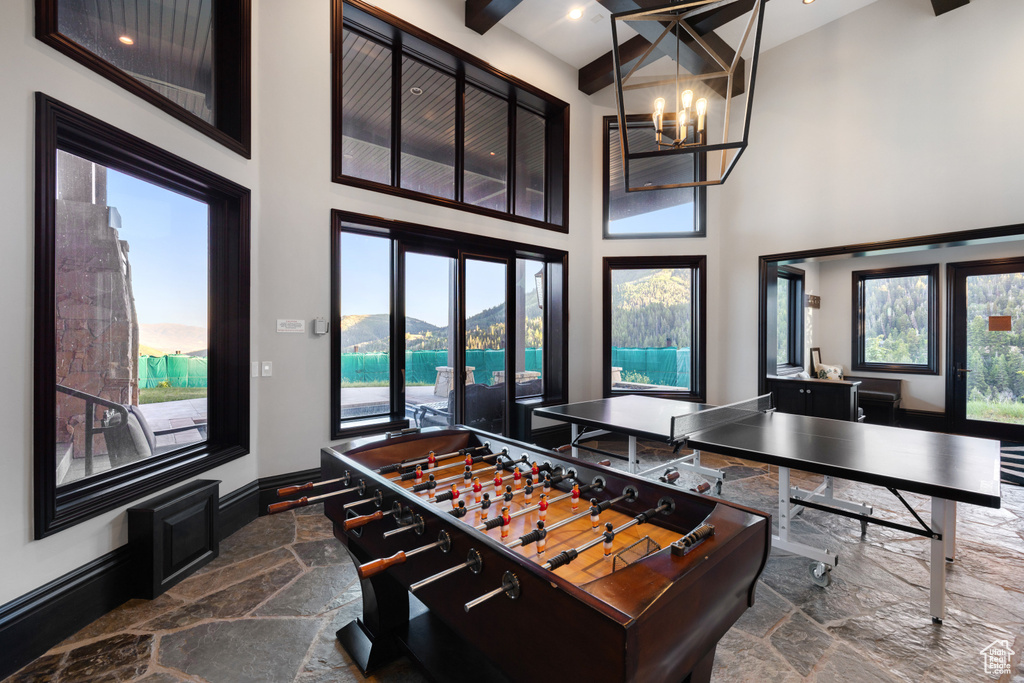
(268, 368)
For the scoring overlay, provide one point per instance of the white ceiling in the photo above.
(578, 42)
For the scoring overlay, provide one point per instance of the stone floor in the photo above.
(268, 607)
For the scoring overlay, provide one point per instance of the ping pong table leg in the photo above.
(943, 513)
(949, 537)
(632, 454)
(575, 435)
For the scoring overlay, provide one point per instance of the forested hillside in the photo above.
(896, 320)
(996, 359)
(651, 310)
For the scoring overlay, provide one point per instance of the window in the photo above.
(421, 119)
(895, 319)
(189, 59)
(472, 311)
(676, 212)
(654, 325)
(790, 319)
(142, 301)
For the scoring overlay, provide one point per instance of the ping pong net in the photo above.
(683, 426)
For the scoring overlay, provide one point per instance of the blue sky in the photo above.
(168, 239)
(365, 274)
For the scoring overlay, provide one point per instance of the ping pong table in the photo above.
(949, 469)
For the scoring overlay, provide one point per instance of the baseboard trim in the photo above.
(35, 622)
(924, 420)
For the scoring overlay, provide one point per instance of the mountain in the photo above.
(651, 309)
(172, 337)
(371, 333)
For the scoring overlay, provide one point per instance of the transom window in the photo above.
(677, 212)
(419, 118)
(895, 319)
(654, 325)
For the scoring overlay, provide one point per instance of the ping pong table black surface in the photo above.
(950, 469)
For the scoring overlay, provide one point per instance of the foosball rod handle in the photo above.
(287, 505)
(357, 522)
(375, 567)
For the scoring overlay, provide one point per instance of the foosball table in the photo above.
(482, 558)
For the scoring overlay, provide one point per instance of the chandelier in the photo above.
(687, 71)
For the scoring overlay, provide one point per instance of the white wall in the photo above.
(887, 123)
(832, 334)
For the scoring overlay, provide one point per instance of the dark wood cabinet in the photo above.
(836, 400)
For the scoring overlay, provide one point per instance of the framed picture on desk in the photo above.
(815, 360)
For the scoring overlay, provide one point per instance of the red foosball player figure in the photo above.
(575, 497)
(547, 483)
(484, 505)
(431, 485)
(497, 483)
(506, 521)
(418, 477)
(517, 478)
(542, 507)
(431, 460)
(455, 496)
(469, 461)
(609, 536)
(528, 490)
(542, 541)
(535, 471)
(508, 495)
(595, 515)
(477, 488)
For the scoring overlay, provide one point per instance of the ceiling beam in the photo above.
(482, 15)
(600, 73)
(943, 6)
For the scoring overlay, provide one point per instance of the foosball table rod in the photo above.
(566, 556)
(509, 586)
(480, 458)
(474, 562)
(374, 567)
(357, 522)
(395, 467)
(310, 485)
(304, 501)
(377, 497)
(526, 539)
(554, 480)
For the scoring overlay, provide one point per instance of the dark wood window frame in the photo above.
(405, 38)
(700, 193)
(698, 341)
(232, 22)
(794, 362)
(456, 245)
(59, 126)
(931, 367)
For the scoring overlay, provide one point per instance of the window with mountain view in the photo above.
(654, 320)
(505, 299)
(896, 319)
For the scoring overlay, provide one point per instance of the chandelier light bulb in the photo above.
(687, 98)
(702, 108)
(659, 106)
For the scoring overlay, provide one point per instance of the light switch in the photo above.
(268, 368)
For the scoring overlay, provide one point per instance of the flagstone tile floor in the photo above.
(267, 609)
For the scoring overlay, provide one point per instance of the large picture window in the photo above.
(441, 328)
(418, 118)
(654, 330)
(142, 318)
(190, 59)
(895, 319)
(677, 212)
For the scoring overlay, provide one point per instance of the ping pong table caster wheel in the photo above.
(718, 487)
(821, 574)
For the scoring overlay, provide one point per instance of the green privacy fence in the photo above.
(421, 366)
(665, 367)
(669, 367)
(178, 370)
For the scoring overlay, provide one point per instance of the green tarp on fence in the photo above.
(421, 366)
(176, 370)
(666, 367)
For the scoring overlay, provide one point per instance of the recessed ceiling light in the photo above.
(807, 2)
(576, 13)
(415, 90)
(126, 40)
